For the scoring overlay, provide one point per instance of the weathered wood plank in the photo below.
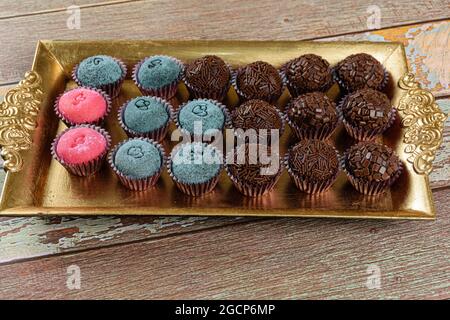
(229, 19)
(427, 47)
(279, 258)
(10, 9)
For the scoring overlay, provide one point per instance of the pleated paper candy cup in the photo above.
(111, 89)
(370, 188)
(306, 185)
(88, 168)
(157, 134)
(193, 189)
(364, 134)
(252, 190)
(133, 183)
(166, 92)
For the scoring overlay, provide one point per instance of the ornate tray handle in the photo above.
(18, 119)
(424, 123)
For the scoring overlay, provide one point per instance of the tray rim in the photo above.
(409, 85)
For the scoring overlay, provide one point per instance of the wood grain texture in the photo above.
(279, 258)
(228, 19)
(11, 9)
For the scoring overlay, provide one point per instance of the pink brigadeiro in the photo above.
(83, 106)
(81, 149)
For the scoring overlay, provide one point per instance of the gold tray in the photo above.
(36, 184)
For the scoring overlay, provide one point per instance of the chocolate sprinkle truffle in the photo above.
(312, 115)
(258, 80)
(313, 165)
(359, 71)
(208, 77)
(366, 113)
(307, 73)
(252, 174)
(371, 167)
(256, 114)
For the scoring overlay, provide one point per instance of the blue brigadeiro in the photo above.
(145, 114)
(204, 111)
(138, 159)
(97, 71)
(195, 163)
(157, 72)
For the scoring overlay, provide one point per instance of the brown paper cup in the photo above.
(367, 187)
(90, 167)
(137, 184)
(166, 92)
(363, 134)
(305, 185)
(158, 134)
(192, 189)
(112, 89)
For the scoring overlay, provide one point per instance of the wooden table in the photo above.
(174, 257)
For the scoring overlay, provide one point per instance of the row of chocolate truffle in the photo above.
(195, 168)
(210, 77)
(365, 113)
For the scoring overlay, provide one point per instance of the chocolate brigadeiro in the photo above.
(366, 113)
(254, 169)
(307, 73)
(208, 77)
(313, 165)
(371, 167)
(312, 115)
(257, 114)
(359, 71)
(258, 80)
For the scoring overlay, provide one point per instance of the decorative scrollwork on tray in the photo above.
(18, 114)
(424, 123)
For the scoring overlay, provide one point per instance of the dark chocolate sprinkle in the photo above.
(256, 114)
(360, 71)
(249, 172)
(308, 73)
(313, 160)
(372, 162)
(367, 108)
(209, 74)
(313, 110)
(259, 80)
